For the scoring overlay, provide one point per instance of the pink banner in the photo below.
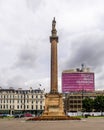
(77, 82)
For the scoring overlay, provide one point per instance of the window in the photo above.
(75, 106)
(71, 106)
(36, 107)
(7, 106)
(11, 96)
(40, 102)
(71, 101)
(79, 106)
(32, 107)
(27, 106)
(40, 106)
(75, 101)
(17, 106)
(79, 101)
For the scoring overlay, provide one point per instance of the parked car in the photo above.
(18, 116)
(28, 115)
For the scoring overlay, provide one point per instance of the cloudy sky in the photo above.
(25, 27)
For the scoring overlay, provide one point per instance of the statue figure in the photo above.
(53, 24)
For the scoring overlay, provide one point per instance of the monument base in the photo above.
(53, 105)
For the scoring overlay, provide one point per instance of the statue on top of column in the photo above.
(53, 24)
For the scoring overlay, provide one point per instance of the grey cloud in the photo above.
(17, 81)
(88, 48)
(27, 57)
(33, 4)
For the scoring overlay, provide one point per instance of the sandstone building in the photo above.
(21, 101)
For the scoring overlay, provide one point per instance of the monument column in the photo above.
(54, 72)
(53, 101)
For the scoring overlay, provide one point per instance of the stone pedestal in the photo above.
(53, 105)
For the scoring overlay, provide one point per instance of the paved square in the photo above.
(21, 124)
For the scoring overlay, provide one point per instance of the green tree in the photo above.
(87, 104)
(99, 104)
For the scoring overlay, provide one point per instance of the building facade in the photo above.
(73, 100)
(76, 80)
(22, 101)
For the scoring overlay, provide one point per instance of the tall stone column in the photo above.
(53, 101)
(54, 71)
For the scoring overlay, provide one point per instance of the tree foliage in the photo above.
(96, 104)
(87, 104)
(99, 103)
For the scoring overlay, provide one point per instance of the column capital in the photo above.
(53, 38)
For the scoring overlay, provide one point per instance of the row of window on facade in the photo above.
(21, 96)
(75, 97)
(21, 107)
(75, 101)
(22, 101)
(75, 106)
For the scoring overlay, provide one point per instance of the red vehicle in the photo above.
(27, 115)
